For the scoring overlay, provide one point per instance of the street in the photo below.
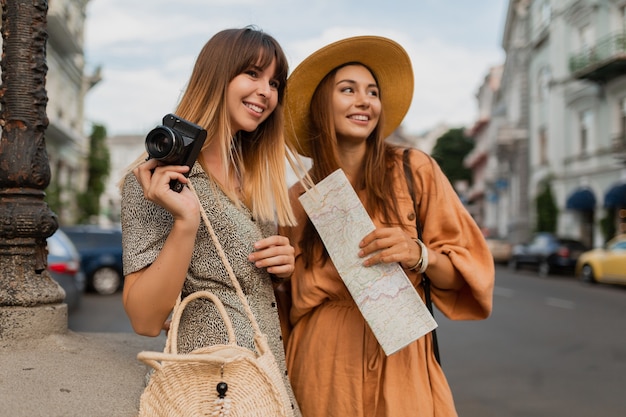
(552, 347)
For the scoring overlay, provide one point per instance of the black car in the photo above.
(64, 268)
(100, 250)
(547, 254)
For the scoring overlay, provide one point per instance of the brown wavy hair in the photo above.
(375, 176)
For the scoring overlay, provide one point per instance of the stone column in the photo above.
(26, 221)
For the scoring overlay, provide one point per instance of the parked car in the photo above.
(100, 249)
(547, 254)
(500, 248)
(606, 264)
(64, 267)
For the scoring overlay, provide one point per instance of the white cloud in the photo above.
(132, 102)
(149, 54)
(446, 80)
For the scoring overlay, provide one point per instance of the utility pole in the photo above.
(26, 221)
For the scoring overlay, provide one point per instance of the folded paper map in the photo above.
(388, 301)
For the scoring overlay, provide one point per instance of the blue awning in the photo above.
(616, 196)
(582, 199)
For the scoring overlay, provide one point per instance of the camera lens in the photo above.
(163, 144)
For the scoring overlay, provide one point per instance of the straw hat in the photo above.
(387, 59)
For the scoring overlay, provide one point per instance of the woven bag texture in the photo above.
(186, 384)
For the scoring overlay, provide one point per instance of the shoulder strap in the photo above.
(229, 269)
(406, 164)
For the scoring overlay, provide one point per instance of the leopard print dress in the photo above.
(145, 227)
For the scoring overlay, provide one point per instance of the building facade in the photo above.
(577, 84)
(66, 86)
(500, 160)
(123, 150)
(481, 161)
(559, 120)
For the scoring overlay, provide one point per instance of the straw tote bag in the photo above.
(220, 380)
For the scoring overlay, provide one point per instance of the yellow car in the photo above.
(607, 264)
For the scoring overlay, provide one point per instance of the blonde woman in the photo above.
(236, 93)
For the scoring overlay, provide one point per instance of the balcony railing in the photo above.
(619, 142)
(619, 147)
(603, 61)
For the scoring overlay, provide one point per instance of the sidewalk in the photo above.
(73, 374)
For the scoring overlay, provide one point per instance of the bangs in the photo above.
(260, 49)
(267, 53)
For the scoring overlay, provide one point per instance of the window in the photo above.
(585, 38)
(541, 15)
(622, 117)
(544, 83)
(586, 128)
(545, 14)
(619, 140)
(543, 147)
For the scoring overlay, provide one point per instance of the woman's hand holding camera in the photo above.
(276, 254)
(155, 181)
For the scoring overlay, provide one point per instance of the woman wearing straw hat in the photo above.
(341, 103)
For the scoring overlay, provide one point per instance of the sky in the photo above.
(146, 49)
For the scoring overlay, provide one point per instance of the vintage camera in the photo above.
(176, 142)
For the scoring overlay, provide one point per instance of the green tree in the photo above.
(547, 210)
(607, 224)
(53, 196)
(98, 168)
(449, 151)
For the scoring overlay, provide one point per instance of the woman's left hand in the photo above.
(389, 245)
(276, 254)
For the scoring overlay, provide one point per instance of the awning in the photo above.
(582, 199)
(616, 196)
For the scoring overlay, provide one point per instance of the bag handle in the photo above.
(172, 339)
(229, 269)
(418, 224)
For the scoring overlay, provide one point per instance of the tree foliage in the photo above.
(547, 210)
(607, 224)
(449, 151)
(98, 168)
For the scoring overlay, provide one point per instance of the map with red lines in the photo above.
(385, 296)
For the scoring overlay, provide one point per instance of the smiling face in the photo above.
(356, 104)
(251, 97)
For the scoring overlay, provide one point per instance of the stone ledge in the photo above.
(17, 323)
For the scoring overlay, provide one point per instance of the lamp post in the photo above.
(26, 221)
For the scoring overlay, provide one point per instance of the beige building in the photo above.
(124, 150)
(481, 160)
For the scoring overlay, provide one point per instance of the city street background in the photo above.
(552, 347)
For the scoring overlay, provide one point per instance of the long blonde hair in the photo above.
(258, 157)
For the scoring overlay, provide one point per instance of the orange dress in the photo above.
(336, 366)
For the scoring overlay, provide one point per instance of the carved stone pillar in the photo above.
(26, 221)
